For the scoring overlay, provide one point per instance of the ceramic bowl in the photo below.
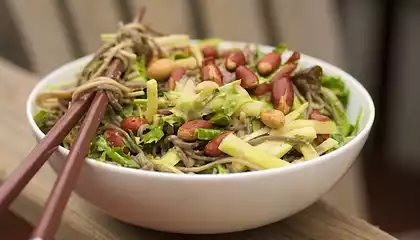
(211, 203)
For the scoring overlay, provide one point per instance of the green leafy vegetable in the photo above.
(172, 120)
(280, 48)
(341, 118)
(99, 144)
(140, 68)
(221, 169)
(40, 119)
(117, 155)
(230, 98)
(341, 140)
(101, 148)
(357, 124)
(192, 108)
(136, 139)
(259, 53)
(128, 110)
(337, 85)
(207, 134)
(220, 119)
(262, 79)
(154, 135)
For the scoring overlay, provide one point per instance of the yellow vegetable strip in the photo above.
(295, 114)
(152, 99)
(307, 151)
(322, 148)
(328, 127)
(280, 148)
(238, 148)
(326, 146)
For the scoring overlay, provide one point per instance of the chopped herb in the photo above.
(140, 68)
(172, 120)
(127, 110)
(154, 135)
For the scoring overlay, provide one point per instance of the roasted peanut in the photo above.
(282, 94)
(212, 147)
(272, 118)
(115, 139)
(208, 60)
(316, 115)
(268, 64)
(210, 51)
(248, 78)
(187, 130)
(262, 89)
(285, 71)
(295, 57)
(176, 75)
(161, 69)
(132, 123)
(211, 72)
(204, 85)
(234, 60)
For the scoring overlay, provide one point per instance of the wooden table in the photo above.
(83, 221)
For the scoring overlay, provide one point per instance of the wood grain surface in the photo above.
(83, 221)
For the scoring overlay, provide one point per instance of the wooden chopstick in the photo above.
(10, 189)
(58, 199)
(65, 183)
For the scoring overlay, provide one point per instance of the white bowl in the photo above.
(211, 203)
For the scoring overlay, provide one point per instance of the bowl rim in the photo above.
(370, 108)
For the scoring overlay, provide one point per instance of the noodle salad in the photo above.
(198, 108)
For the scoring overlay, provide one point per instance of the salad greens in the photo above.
(115, 154)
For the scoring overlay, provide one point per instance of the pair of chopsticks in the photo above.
(94, 105)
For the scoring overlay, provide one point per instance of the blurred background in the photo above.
(375, 41)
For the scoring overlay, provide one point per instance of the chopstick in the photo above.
(59, 197)
(10, 189)
(67, 179)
